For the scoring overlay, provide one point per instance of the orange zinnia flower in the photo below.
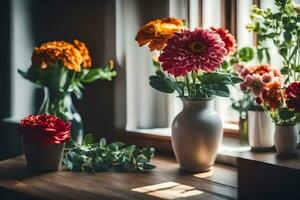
(157, 32)
(85, 54)
(72, 56)
(272, 95)
(260, 69)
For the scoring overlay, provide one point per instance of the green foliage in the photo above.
(195, 86)
(283, 29)
(57, 77)
(97, 157)
(283, 116)
(161, 84)
(246, 54)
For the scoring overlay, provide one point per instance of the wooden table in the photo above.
(165, 182)
(267, 176)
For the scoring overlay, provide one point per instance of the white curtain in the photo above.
(145, 107)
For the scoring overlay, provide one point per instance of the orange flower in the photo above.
(260, 69)
(157, 32)
(73, 57)
(85, 54)
(272, 95)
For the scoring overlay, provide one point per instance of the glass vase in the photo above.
(59, 103)
(243, 125)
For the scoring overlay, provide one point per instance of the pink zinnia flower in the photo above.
(257, 84)
(201, 49)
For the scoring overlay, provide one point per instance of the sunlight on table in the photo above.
(168, 190)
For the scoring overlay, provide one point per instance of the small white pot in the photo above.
(286, 139)
(260, 130)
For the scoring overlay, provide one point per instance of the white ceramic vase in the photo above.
(196, 135)
(286, 139)
(260, 130)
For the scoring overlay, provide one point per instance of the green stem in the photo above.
(188, 86)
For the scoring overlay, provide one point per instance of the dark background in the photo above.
(92, 22)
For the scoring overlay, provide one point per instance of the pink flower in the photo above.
(257, 85)
(244, 72)
(266, 78)
(201, 49)
(244, 86)
(254, 83)
(238, 68)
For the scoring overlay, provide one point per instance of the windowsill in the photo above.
(160, 138)
(231, 128)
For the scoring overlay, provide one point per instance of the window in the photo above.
(147, 110)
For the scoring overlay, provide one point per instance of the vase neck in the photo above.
(197, 104)
(51, 94)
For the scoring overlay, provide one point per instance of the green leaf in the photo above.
(246, 54)
(286, 114)
(90, 75)
(160, 84)
(260, 55)
(141, 159)
(283, 51)
(225, 65)
(148, 167)
(108, 157)
(236, 79)
(287, 36)
(219, 78)
(284, 70)
(88, 139)
(160, 73)
(156, 64)
(218, 90)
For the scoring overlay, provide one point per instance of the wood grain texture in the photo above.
(110, 185)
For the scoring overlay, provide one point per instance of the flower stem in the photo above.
(188, 86)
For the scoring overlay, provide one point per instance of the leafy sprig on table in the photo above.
(98, 157)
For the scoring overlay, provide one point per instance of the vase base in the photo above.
(263, 149)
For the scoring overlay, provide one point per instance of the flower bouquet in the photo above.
(280, 103)
(188, 63)
(281, 27)
(43, 140)
(62, 68)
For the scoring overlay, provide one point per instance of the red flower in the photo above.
(228, 39)
(201, 49)
(44, 130)
(272, 95)
(293, 96)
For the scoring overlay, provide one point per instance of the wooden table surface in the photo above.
(165, 182)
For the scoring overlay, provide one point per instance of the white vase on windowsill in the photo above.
(196, 135)
(260, 130)
(286, 140)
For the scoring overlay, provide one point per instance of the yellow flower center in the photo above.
(197, 47)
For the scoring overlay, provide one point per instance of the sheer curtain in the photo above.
(145, 107)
